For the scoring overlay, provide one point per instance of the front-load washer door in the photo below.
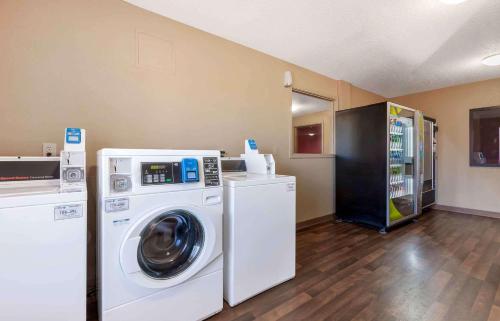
(170, 244)
(167, 247)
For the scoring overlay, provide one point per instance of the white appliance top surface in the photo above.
(15, 196)
(30, 158)
(156, 152)
(234, 179)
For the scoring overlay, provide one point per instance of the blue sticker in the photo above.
(190, 170)
(253, 144)
(73, 136)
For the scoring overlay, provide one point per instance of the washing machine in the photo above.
(43, 242)
(160, 235)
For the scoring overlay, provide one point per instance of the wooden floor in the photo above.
(444, 267)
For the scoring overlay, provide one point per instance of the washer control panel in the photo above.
(161, 173)
(186, 170)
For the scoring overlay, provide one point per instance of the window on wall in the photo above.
(309, 139)
(312, 124)
(485, 136)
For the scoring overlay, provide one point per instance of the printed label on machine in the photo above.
(12, 171)
(116, 205)
(211, 171)
(65, 212)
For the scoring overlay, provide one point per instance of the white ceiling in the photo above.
(305, 104)
(390, 47)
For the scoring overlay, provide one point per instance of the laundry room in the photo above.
(389, 154)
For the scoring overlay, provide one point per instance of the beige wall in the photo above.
(460, 185)
(361, 97)
(325, 118)
(351, 96)
(134, 79)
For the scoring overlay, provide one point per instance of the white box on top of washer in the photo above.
(74, 139)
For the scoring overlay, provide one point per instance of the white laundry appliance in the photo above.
(160, 235)
(259, 226)
(43, 242)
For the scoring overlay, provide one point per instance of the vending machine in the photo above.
(379, 164)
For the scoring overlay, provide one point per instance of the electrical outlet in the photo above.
(49, 149)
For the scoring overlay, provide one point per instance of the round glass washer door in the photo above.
(170, 244)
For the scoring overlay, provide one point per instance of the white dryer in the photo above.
(259, 231)
(43, 243)
(160, 235)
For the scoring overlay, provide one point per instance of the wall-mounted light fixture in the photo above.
(287, 79)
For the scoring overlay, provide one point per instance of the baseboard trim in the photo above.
(314, 221)
(466, 211)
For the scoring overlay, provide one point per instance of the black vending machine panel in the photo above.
(361, 165)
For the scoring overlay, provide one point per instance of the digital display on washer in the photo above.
(161, 173)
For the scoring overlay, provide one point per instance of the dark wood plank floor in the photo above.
(444, 267)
